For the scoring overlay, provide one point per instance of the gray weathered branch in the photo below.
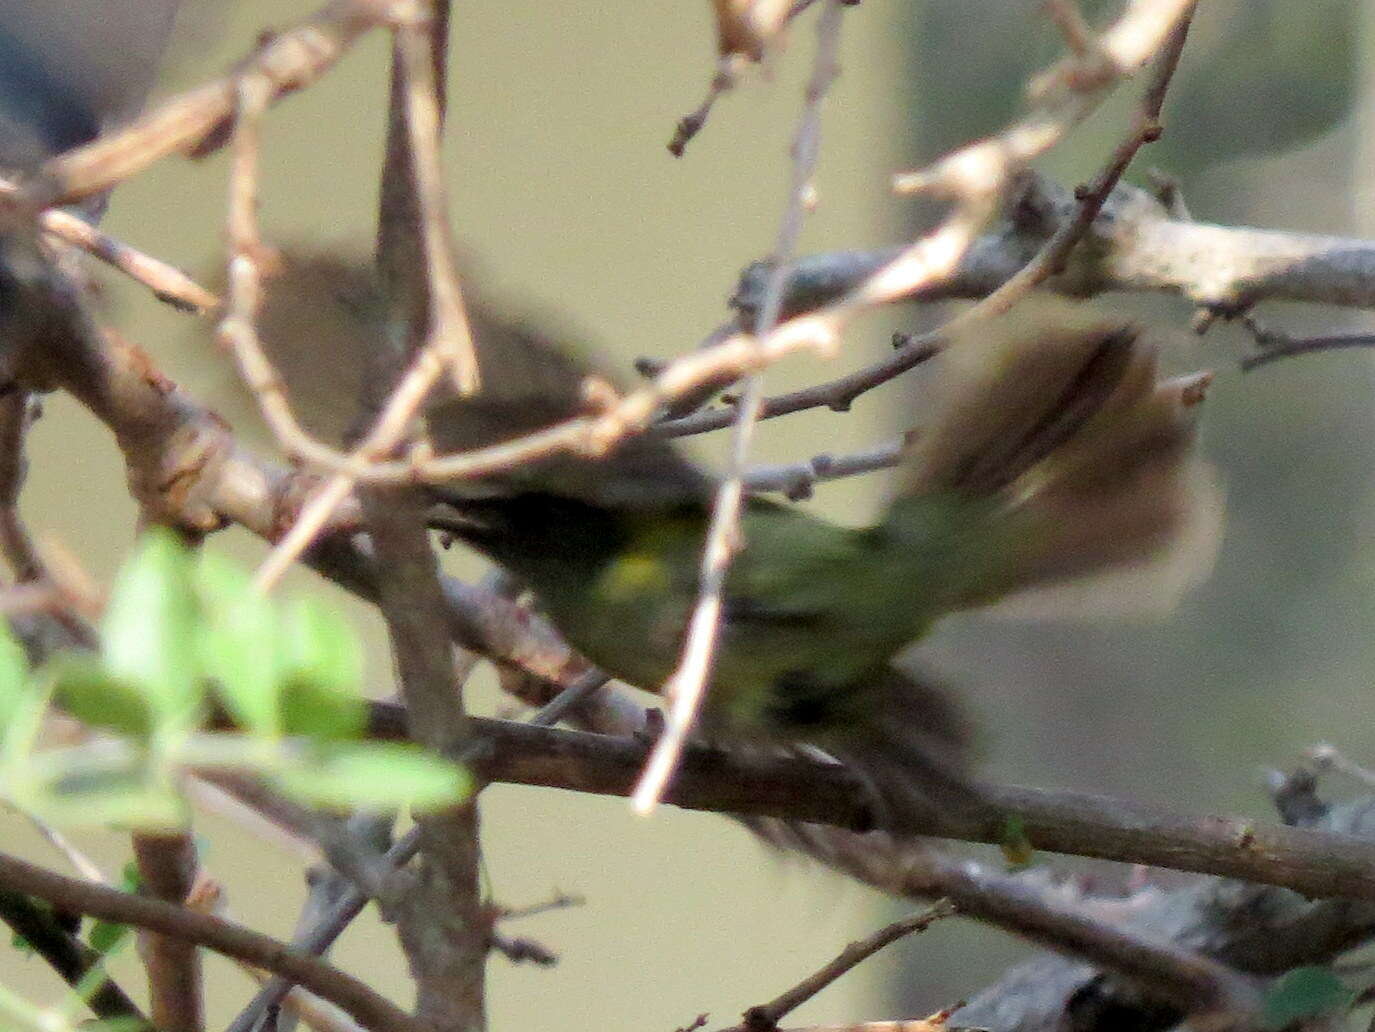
(1135, 244)
(1257, 929)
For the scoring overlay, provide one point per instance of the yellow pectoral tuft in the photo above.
(635, 574)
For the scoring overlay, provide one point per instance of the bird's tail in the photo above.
(1068, 467)
(910, 746)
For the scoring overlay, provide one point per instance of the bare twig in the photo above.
(522, 951)
(441, 921)
(80, 862)
(448, 337)
(1277, 348)
(224, 937)
(1139, 246)
(1183, 978)
(692, 123)
(572, 697)
(1072, 25)
(332, 924)
(686, 686)
(1255, 929)
(765, 1017)
(184, 464)
(559, 901)
(797, 479)
(199, 119)
(75, 963)
(1050, 260)
(18, 549)
(924, 262)
(448, 343)
(803, 790)
(977, 176)
(837, 394)
(167, 283)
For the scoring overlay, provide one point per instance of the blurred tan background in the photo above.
(561, 185)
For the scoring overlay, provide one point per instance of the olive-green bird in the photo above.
(1050, 455)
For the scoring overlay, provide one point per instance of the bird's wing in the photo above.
(1082, 459)
(324, 312)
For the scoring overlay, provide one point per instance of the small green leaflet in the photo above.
(1305, 992)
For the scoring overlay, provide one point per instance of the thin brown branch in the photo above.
(1190, 981)
(1291, 347)
(765, 1016)
(441, 921)
(727, 68)
(797, 479)
(332, 924)
(927, 261)
(687, 685)
(413, 234)
(185, 464)
(167, 867)
(1195, 983)
(694, 121)
(41, 930)
(225, 937)
(797, 789)
(199, 119)
(1048, 261)
(1256, 929)
(167, 283)
(522, 951)
(1180, 976)
(1051, 259)
(15, 414)
(559, 901)
(1072, 25)
(448, 336)
(837, 394)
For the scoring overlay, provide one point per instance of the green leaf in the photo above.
(382, 775)
(14, 674)
(149, 632)
(76, 786)
(321, 647)
(114, 1025)
(107, 936)
(323, 714)
(1305, 992)
(240, 646)
(321, 697)
(89, 693)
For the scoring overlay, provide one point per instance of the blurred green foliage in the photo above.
(182, 636)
